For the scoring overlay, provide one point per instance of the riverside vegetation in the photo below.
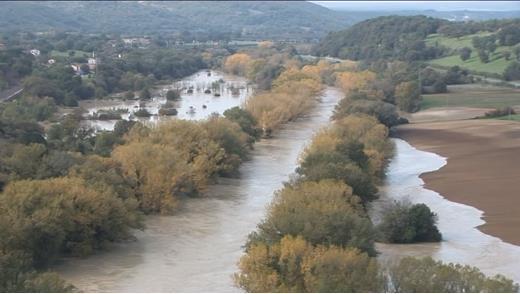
(317, 236)
(69, 191)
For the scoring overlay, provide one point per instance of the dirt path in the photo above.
(483, 168)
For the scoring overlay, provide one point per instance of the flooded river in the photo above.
(462, 243)
(197, 249)
(202, 94)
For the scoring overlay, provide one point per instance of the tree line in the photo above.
(317, 236)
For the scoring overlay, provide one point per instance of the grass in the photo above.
(78, 53)
(478, 97)
(513, 117)
(454, 43)
(496, 65)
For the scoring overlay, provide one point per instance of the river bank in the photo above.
(196, 250)
(462, 242)
(483, 169)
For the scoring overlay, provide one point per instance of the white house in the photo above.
(92, 62)
(51, 61)
(35, 52)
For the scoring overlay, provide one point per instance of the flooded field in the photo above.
(197, 249)
(202, 94)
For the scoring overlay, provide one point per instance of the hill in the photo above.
(381, 37)
(250, 19)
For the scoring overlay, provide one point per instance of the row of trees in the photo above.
(317, 236)
(292, 93)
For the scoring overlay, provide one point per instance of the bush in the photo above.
(426, 275)
(168, 111)
(145, 94)
(173, 95)
(294, 265)
(142, 112)
(244, 119)
(386, 113)
(406, 223)
(512, 71)
(323, 212)
(45, 218)
(500, 112)
(465, 53)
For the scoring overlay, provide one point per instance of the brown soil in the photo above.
(483, 168)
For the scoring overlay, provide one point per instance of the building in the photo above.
(92, 62)
(35, 52)
(51, 61)
(76, 68)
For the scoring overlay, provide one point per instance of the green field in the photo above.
(515, 117)
(496, 65)
(469, 96)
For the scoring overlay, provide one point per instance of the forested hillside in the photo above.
(382, 37)
(251, 19)
(489, 48)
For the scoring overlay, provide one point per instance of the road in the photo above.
(9, 94)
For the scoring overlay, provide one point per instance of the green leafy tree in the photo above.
(406, 223)
(465, 53)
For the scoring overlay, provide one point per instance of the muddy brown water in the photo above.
(462, 241)
(197, 249)
(232, 91)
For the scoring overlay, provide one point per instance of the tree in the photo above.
(337, 270)
(506, 55)
(426, 275)
(294, 265)
(516, 50)
(406, 223)
(85, 69)
(145, 94)
(323, 212)
(483, 55)
(60, 215)
(349, 81)
(238, 64)
(173, 95)
(129, 95)
(244, 119)
(465, 53)
(512, 71)
(17, 275)
(408, 96)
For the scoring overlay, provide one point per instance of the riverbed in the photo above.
(462, 242)
(197, 249)
(203, 93)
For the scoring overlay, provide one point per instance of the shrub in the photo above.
(173, 95)
(512, 71)
(406, 223)
(168, 111)
(294, 265)
(323, 212)
(142, 112)
(426, 275)
(500, 112)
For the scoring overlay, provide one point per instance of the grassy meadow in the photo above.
(473, 96)
(496, 65)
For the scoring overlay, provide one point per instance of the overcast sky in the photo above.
(422, 5)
